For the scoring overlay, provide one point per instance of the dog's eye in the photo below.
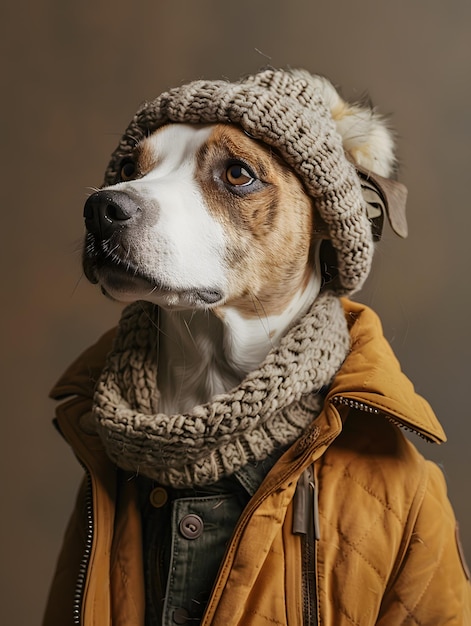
(127, 169)
(239, 175)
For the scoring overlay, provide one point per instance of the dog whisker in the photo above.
(77, 247)
(190, 334)
(262, 317)
(77, 283)
(91, 190)
(157, 325)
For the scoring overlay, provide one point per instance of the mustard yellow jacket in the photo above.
(387, 552)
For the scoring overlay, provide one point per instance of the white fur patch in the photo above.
(249, 340)
(182, 245)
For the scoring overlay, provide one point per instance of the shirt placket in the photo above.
(201, 529)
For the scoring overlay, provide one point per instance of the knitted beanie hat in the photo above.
(286, 110)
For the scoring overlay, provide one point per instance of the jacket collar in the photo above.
(371, 378)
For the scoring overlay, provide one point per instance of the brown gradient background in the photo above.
(73, 74)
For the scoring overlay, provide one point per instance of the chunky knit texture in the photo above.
(271, 407)
(285, 110)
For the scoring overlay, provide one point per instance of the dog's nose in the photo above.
(107, 211)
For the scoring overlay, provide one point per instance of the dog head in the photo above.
(201, 216)
(203, 208)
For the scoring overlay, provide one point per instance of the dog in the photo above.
(216, 229)
(239, 428)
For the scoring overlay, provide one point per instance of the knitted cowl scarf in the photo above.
(274, 404)
(270, 408)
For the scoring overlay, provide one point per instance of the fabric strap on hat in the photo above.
(384, 196)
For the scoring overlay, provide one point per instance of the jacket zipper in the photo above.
(366, 408)
(306, 524)
(254, 503)
(85, 560)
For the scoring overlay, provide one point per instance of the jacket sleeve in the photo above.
(432, 584)
(60, 603)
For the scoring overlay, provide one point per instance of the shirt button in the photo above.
(158, 497)
(191, 526)
(180, 616)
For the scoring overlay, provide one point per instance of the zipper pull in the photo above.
(301, 505)
(315, 507)
(306, 505)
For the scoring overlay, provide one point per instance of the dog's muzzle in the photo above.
(105, 212)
